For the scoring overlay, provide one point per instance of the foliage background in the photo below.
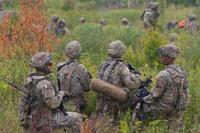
(142, 52)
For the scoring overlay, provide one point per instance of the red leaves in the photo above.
(28, 34)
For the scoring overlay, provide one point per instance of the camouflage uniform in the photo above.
(115, 71)
(82, 20)
(40, 100)
(74, 78)
(61, 28)
(171, 25)
(192, 26)
(173, 38)
(150, 15)
(54, 22)
(169, 97)
(1, 12)
(103, 22)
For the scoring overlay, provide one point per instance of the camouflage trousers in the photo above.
(73, 120)
(108, 106)
(154, 111)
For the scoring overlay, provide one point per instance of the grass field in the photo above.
(141, 51)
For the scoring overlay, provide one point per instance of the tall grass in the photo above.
(141, 51)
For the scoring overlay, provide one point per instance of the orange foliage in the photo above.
(27, 34)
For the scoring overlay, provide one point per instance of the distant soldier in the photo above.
(149, 1)
(169, 97)
(54, 23)
(82, 20)
(61, 28)
(172, 25)
(40, 100)
(173, 38)
(124, 22)
(74, 78)
(150, 15)
(1, 12)
(103, 22)
(113, 70)
(192, 26)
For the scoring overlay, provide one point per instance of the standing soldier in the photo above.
(192, 26)
(113, 70)
(73, 77)
(40, 101)
(150, 15)
(61, 28)
(54, 22)
(169, 97)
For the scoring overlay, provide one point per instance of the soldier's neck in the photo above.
(42, 73)
(72, 60)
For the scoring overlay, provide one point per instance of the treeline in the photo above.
(184, 2)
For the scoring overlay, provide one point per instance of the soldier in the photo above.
(169, 97)
(1, 12)
(171, 25)
(103, 22)
(150, 15)
(61, 28)
(192, 26)
(73, 77)
(124, 22)
(54, 22)
(113, 70)
(173, 38)
(39, 101)
(82, 20)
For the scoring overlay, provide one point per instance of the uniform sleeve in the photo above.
(84, 77)
(161, 83)
(147, 17)
(130, 80)
(48, 94)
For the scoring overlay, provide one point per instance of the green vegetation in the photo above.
(141, 51)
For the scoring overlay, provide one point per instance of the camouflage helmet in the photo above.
(61, 22)
(124, 21)
(173, 37)
(103, 22)
(54, 18)
(153, 5)
(73, 49)
(192, 17)
(116, 49)
(169, 50)
(82, 20)
(40, 59)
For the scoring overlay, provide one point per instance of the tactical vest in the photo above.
(106, 70)
(30, 88)
(71, 67)
(180, 83)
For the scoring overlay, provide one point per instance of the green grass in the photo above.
(94, 40)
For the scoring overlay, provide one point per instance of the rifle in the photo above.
(141, 92)
(143, 89)
(13, 85)
(132, 69)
